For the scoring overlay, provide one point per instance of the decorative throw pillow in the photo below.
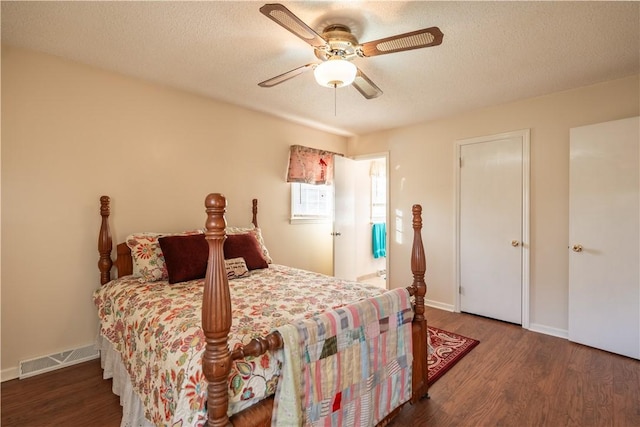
(245, 246)
(185, 257)
(148, 259)
(236, 268)
(257, 233)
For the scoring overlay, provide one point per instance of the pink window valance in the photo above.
(310, 165)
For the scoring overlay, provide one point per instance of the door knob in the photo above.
(515, 243)
(577, 248)
(336, 234)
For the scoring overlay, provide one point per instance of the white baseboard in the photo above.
(440, 305)
(366, 277)
(533, 327)
(9, 374)
(548, 330)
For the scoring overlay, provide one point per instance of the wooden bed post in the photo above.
(104, 242)
(254, 211)
(418, 267)
(216, 314)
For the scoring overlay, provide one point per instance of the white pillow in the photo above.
(236, 268)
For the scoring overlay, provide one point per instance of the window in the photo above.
(378, 199)
(311, 202)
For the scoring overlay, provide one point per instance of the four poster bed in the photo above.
(215, 346)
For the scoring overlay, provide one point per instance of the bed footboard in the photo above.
(216, 321)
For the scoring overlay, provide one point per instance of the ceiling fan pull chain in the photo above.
(335, 102)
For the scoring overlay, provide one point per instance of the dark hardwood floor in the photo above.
(513, 378)
(73, 396)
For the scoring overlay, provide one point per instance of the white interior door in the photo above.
(344, 233)
(604, 277)
(491, 235)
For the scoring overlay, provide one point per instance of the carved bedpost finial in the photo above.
(215, 205)
(417, 217)
(105, 209)
(104, 242)
(216, 314)
(254, 210)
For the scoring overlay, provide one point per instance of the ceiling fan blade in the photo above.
(284, 17)
(365, 86)
(414, 40)
(286, 76)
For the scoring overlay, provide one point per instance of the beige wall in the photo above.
(71, 133)
(422, 171)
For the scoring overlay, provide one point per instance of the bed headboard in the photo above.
(124, 262)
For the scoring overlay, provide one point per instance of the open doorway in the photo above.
(371, 212)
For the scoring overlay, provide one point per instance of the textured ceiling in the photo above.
(492, 53)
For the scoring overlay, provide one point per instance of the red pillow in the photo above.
(245, 246)
(186, 257)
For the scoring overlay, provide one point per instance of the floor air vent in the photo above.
(29, 368)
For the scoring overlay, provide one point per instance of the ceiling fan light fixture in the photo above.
(336, 72)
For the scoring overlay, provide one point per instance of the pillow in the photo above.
(185, 257)
(148, 262)
(257, 233)
(236, 268)
(245, 246)
(148, 259)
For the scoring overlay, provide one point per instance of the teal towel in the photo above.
(379, 240)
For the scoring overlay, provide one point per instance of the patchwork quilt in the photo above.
(347, 367)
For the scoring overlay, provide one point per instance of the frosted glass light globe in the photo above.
(335, 73)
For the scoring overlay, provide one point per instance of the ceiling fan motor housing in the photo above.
(340, 43)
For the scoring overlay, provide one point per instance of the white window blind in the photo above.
(311, 202)
(378, 192)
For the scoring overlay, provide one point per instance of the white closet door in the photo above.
(604, 237)
(490, 227)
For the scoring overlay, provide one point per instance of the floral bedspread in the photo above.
(156, 327)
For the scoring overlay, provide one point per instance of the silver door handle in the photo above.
(336, 234)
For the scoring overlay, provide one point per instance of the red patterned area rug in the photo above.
(448, 349)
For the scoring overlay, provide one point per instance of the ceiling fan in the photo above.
(337, 47)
